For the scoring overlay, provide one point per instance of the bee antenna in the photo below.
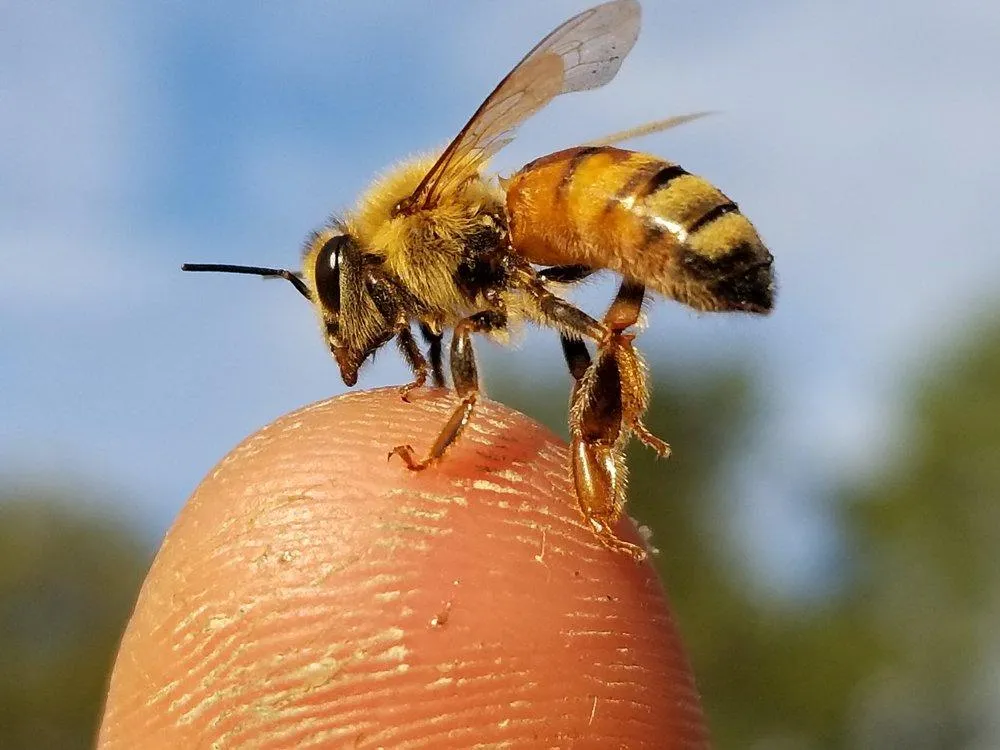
(253, 271)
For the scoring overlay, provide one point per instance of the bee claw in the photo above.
(405, 452)
(625, 548)
(406, 390)
(660, 447)
(613, 542)
(634, 551)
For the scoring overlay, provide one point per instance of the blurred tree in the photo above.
(68, 579)
(899, 655)
(928, 533)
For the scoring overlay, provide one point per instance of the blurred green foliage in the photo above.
(68, 579)
(898, 654)
(928, 535)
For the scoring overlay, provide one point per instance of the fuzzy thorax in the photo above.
(423, 249)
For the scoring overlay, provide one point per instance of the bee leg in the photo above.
(561, 314)
(623, 313)
(607, 403)
(597, 446)
(635, 393)
(565, 274)
(626, 307)
(658, 445)
(577, 359)
(411, 353)
(466, 379)
(433, 339)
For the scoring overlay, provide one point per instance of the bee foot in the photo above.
(405, 452)
(659, 446)
(610, 540)
(620, 546)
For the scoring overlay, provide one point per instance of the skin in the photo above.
(313, 594)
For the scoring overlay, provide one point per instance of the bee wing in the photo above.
(583, 53)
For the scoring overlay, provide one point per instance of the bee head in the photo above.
(339, 274)
(329, 260)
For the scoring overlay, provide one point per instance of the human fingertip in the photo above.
(310, 594)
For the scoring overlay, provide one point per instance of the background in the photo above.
(829, 521)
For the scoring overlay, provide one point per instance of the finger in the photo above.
(313, 594)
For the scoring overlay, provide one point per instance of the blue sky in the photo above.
(859, 137)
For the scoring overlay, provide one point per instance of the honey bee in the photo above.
(439, 244)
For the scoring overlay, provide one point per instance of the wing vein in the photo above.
(583, 53)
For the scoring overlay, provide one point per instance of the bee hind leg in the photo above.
(559, 313)
(608, 400)
(597, 444)
(466, 378)
(623, 313)
(635, 392)
(609, 334)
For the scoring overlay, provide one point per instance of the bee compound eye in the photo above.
(327, 270)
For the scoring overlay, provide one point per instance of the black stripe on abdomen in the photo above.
(662, 178)
(712, 214)
(574, 163)
(644, 182)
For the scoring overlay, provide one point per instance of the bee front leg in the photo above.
(394, 315)
(411, 353)
(466, 378)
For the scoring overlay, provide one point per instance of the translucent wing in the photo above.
(583, 53)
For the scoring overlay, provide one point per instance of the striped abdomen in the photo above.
(645, 218)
